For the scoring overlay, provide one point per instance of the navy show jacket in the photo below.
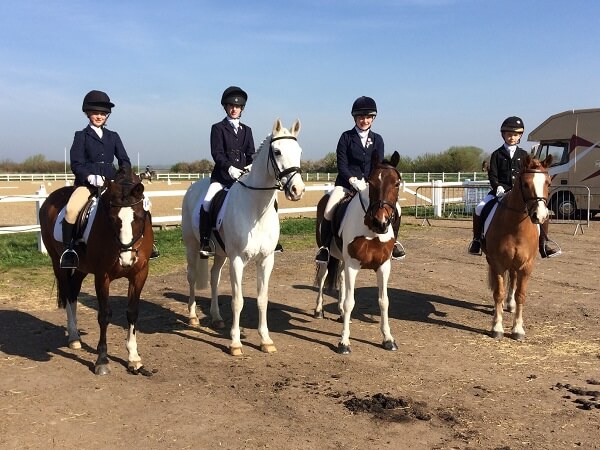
(503, 169)
(354, 159)
(230, 149)
(91, 155)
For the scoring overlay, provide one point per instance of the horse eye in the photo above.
(277, 152)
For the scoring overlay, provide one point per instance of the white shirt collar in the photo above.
(98, 130)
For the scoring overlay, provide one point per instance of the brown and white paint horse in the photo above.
(119, 245)
(511, 242)
(367, 238)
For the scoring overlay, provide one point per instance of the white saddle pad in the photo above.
(196, 213)
(88, 227)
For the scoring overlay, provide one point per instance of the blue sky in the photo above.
(443, 72)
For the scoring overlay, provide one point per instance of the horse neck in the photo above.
(260, 177)
(515, 205)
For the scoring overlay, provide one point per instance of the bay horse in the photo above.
(249, 230)
(118, 246)
(365, 241)
(511, 242)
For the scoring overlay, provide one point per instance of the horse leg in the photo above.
(348, 306)
(510, 303)
(341, 281)
(236, 270)
(134, 361)
(104, 313)
(192, 260)
(263, 271)
(69, 286)
(498, 285)
(217, 321)
(518, 332)
(383, 274)
(320, 282)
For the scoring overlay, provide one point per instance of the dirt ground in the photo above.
(449, 386)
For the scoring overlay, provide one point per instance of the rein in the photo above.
(279, 174)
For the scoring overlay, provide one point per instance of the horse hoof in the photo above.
(102, 369)
(268, 348)
(390, 345)
(75, 344)
(497, 334)
(343, 349)
(218, 325)
(318, 315)
(193, 322)
(235, 351)
(520, 337)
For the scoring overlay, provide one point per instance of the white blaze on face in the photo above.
(539, 181)
(126, 236)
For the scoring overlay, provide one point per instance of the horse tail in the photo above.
(332, 274)
(493, 280)
(201, 273)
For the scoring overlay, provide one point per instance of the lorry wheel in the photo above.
(564, 206)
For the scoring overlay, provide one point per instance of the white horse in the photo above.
(249, 230)
(367, 238)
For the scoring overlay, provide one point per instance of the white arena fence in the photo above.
(434, 200)
(412, 177)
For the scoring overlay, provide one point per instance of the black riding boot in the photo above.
(278, 247)
(546, 251)
(475, 246)
(326, 236)
(398, 250)
(205, 247)
(69, 258)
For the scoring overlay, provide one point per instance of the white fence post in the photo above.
(437, 198)
(38, 204)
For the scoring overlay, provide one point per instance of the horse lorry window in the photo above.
(573, 138)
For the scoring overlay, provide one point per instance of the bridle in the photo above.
(279, 174)
(124, 247)
(531, 200)
(376, 205)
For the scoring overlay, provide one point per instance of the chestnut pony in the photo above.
(118, 246)
(511, 242)
(365, 240)
(248, 231)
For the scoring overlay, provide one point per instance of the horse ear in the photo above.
(295, 128)
(548, 161)
(138, 189)
(395, 159)
(277, 126)
(374, 159)
(527, 160)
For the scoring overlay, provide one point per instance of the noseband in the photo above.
(279, 174)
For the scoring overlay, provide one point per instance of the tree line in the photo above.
(455, 159)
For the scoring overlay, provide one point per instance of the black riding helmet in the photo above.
(364, 106)
(234, 95)
(514, 124)
(97, 101)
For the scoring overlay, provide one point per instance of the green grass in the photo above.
(20, 251)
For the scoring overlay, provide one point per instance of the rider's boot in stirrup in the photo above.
(69, 258)
(475, 246)
(205, 247)
(326, 236)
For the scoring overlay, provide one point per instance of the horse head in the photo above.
(284, 157)
(534, 183)
(384, 186)
(124, 199)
